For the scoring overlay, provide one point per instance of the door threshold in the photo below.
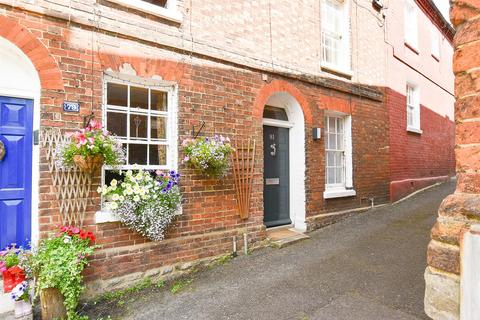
(289, 226)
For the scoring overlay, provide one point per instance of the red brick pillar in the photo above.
(458, 211)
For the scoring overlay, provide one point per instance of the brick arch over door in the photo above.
(46, 66)
(280, 86)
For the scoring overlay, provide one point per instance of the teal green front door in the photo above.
(276, 186)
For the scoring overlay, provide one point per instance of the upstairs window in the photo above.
(335, 29)
(413, 109)
(160, 3)
(166, 9)
(411, 26)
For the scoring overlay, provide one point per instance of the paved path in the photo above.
(367, 267)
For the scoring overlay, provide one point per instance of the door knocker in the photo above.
(274, 148)
(3, 151)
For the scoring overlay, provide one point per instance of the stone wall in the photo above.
(459, 210)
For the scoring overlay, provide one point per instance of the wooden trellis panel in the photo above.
(72, 187)
(243, 172)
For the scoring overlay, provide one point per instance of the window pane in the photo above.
(117, 123)
(339, 175)
(338, 159)
(331, 125)
(158, 154)
(158, 100)
(138, 126)
(112, 174)
(339, 141)
(330, 159)
(158, 127)
(137, 154)
(117, 94)
(138, 98)
(332, 143)
(275, 113)
(160, 3)
(330, 175)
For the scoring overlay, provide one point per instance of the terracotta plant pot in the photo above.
(23, 310)
(51, 301)
(11, 277)
(88, 163)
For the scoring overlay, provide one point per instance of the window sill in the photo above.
(105, 216)
(414, 130)
(338, 193)
(168, 14)
(412, 47)
(339, 71)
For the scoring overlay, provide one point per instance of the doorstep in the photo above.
(6, 304)
(283, 236)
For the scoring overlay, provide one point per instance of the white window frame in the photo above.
(171, 88)
(344, 189)
(170, 12)
(171, 140)
(342, 36)
(435, 43)
(411, 24)
(412, 96)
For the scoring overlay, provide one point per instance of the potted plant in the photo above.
(209, 154)
(16, 272)
(89, 149)
(21, 295)
(145, 201)
(57, 265)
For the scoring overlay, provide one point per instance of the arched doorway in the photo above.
(19, 119)
(284, 162)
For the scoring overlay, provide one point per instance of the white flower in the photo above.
(66, 239)
(99, 189)
(115, 197)
(112, 205)
(121, 198)
(136, 198)
(113, 183)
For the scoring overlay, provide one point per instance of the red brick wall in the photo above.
(228, 99)
(416, 158)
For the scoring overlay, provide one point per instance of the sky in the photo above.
(444, 6)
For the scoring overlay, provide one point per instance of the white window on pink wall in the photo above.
(411, 24)
(335, 35)
(413, 109)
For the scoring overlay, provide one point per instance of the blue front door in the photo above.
(16, 125)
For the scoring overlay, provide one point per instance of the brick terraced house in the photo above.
(324, 81)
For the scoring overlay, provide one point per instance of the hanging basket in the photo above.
(88, 163)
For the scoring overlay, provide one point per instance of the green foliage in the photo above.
(58, 263)
(180, 285)
(224, 259)
(11, 259)
(211, 155)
